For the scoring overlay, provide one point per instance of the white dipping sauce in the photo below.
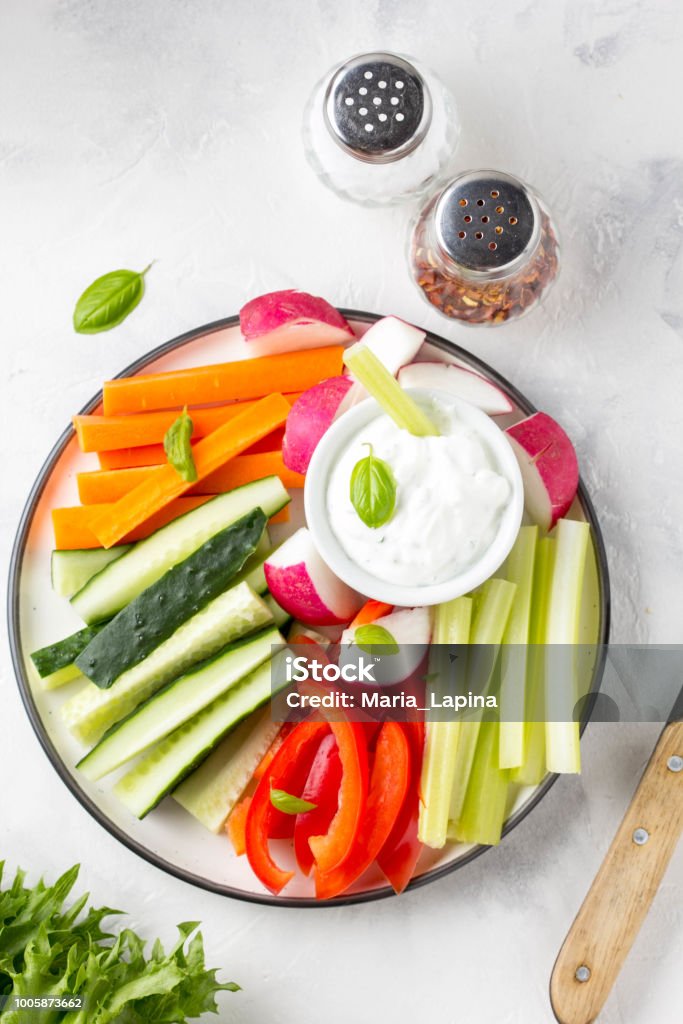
(449, 501)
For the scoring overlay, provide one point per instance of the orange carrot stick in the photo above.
(370, 612)
(210, 453)
(236, 826)
(105, 433)
(154, 455)
(222, 382)
(110, 485)
(73, 525)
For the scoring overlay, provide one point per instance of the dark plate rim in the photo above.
(14, 632)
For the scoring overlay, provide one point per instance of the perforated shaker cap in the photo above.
(486, 220)
(377, 107)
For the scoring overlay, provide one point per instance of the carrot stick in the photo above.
(73, 525)
(222, 382)
(370, 612)
(210, 453)
(154, 455)
(107, 433)
(110, 485)
(236, 826)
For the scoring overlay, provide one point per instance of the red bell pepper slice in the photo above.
(388, 785)
(236, 826)
(401, 851)
(322, 789)
(331, 848)
(297, 750)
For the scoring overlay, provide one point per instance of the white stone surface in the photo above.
(146, 130)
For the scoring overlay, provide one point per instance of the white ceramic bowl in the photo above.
(328, 451)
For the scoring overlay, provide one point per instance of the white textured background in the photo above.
(169, 129)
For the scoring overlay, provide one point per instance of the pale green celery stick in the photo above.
(562, 628)
(533, 770)
(483, 812)
(451, 626)
(519, 569)
(377, 380)
(493, 602)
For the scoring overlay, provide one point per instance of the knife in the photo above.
(619, 898)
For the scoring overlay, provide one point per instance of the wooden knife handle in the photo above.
(624, 887)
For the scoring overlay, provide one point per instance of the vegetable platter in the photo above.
(178, 558)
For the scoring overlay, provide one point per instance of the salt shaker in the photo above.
(484, 250)
(379, 129)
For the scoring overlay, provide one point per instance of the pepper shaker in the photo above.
(484, 250)
(379, 129)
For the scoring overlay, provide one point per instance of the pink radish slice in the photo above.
(458, 381)
(289, 320)
(394, 341)
(309, 418)
(550, 470)
(410, 628)
(306, 587)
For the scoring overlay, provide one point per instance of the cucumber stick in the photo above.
(211, 792)
(91, 711)
(118, 583)
(71, 570)
(519, 569)
(162, 768)
(177, 702)
(55, 663)
(158, 611)
(451, 626)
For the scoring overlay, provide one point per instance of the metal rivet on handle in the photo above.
(582, 973)
(640, 836)
(675, 763)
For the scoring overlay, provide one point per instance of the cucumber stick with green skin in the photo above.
(172, 706)
(237, 612)
(165, 766)
(211, 792)
(71, 570)
(121, 581)
(61, 655)
(158, 611)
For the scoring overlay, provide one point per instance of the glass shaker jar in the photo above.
(484, 250)
(379, 129)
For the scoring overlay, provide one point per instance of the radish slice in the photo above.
(550, 470)
(303, 584)
(309, 418)
(410, 628)
(458, 381)
(289, 320)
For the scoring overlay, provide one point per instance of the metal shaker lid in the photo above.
(486, 220)
(377, 107)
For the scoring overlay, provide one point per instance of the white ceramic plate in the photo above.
(169, 837)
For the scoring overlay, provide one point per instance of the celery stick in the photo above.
(519, 569)
(451, 626)
(491, 611)
(533, 769)
(564, 610)
(483, 812)
(377, 380)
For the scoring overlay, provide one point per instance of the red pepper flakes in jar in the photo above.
(484, 250)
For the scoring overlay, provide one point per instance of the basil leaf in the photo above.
(371, 636)
(373, 490)
(178, 448)
(109, 300)
(289, 804)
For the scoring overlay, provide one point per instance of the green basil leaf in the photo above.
(178, 448)
(371, 636)
(289, 804)
(373, 490)
(109, 300)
